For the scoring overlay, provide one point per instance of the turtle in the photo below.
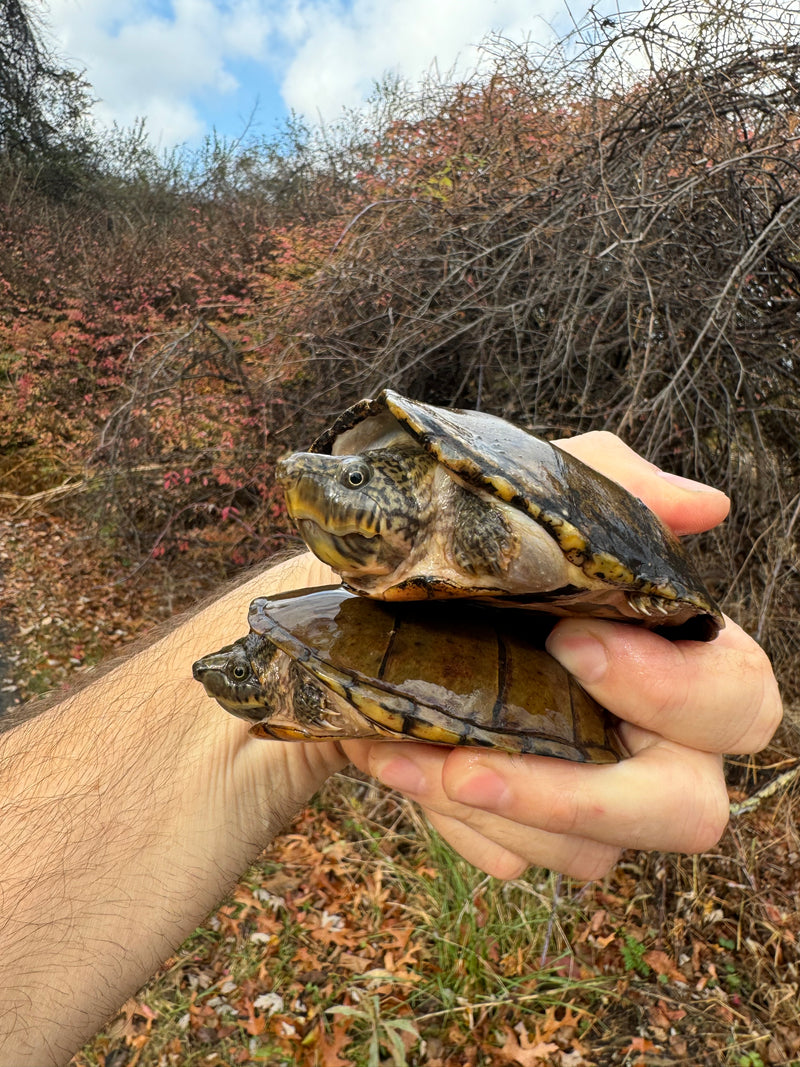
(326, 664)
(409, 501)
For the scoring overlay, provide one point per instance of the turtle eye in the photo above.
(355, 474)
(239, 672)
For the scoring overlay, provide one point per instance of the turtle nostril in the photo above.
(287, 472)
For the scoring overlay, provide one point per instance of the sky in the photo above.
(189, 66)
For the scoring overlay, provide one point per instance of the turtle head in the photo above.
(234, 676)
(360, 513)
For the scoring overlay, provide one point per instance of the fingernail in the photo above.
(689, 484)
(399, 773)
(479, 787)
(580, 654)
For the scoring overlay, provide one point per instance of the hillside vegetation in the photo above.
(603, 235)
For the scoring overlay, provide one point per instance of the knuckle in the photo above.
(761, 715)
(596, 447)
(593, 862)
(474, 818)
(604, 438)
(708, 837)
(707, 815)
(709, 829)
(505, 866)
(562, 811)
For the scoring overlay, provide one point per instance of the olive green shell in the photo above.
(429, 672)
(600, 527)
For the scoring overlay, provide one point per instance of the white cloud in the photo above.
(145, 61)
(342, 52)
(171, 60)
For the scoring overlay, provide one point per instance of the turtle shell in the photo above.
(623, 561)
(329, 665)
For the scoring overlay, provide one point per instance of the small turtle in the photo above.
(329, 665)
(410, 501)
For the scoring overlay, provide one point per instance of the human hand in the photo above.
(682, 703)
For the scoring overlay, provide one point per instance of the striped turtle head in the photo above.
(235, 677)
(361, 513)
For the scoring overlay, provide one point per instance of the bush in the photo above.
(575, 241)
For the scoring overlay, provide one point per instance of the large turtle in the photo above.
(329, 665)
(408, 501)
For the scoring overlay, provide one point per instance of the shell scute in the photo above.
(443, 676)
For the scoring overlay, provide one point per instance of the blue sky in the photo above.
(186, 66)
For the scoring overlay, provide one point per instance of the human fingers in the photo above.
(514, 801)
(719, 696)
(489, 856)
(578, 857)
(500, 846)
(684, 505)
(666, 797)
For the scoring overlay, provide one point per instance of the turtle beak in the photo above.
(292, 470)
(200, 670)
(208, 668)
(289, 471)
(245, 701)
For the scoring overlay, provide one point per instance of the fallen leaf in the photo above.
(254, 1024)
(640, 1045)
(519, 1049)
(329, 1049)
(662, 964)
(662, 1015)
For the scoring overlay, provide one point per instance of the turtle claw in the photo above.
(650, 606)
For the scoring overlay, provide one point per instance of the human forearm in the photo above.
(127, 811)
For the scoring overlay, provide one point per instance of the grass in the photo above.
(389, 944)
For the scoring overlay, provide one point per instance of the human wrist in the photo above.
(255, 785)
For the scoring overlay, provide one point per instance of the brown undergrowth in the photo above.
(359, 930)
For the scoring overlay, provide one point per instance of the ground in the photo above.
(360, 939)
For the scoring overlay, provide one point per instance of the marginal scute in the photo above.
(381, 714)
(437, 735)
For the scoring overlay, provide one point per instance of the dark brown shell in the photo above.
(601, 527)
(433, 673)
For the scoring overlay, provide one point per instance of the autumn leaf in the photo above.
(662, 964)
(664, 1016)
(520, 1050)
(254, 1024)
(638, 1047)
(134, 1018)
(329, 1048)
